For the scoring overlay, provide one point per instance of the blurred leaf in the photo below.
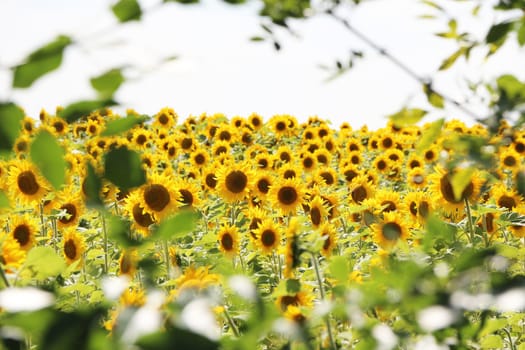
(432, 4)
(438, 231)
(123, 168)
(235, 2)
(492, 325)
(4, 200)
(40, 62)
(430, 135)
(520, 183)
(460, 180)
(120, 231)
(127, 10)
(10, 125)
(449, 61)
(257, 38)
(47, 154)
(120, 125)
(177, 225)
(521, 34)
(186, 2)
(44, 262)
(80, 109)
(339, 269)
(293, 286)
(34, 323)
(498, 32)
(106, 84)
(407, 117)
(433, 97)
(511, 87)
(175, 339)
(473, 257)
(91, 187)
(492, 341)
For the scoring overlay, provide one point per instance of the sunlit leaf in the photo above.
(127, 10)
(511, 87)
(460, 180)
(438, 231)
(177, 225)
(107, 83)
(48, 155)
(521, 34)
(449, 61)
(430, 135)
(10, 125)
(4, 200)
(44, 262)
(407, 116)
(80, 109)
(123, 167)
(433, 97)
(492, 341)
(432, 4)
(120, 125)
(339, 269)
(257, 38)
(40, 62)
(473, 257)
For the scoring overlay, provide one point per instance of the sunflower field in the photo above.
(149, 232)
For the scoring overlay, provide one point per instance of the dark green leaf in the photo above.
(293, 286)
(42, 61)
(430, 135)
(119, 230)
(80, 109)
(521, 34)
(449, 61)
(4, 200)
(127, 10)
(91, 187)
(10, 125)
(498, 32)
(123, 168)
(235, 2)
(47, 154)
(107, 83)
(186, 2)
(520, 183)
(406, 117)
(120, 125)
(177, 225)
(175, 339)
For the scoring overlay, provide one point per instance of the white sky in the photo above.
(219, 70)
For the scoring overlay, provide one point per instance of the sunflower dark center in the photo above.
(429, 155)
(227, 241)
(71, 211)
(254, 224)
(211, 181)
(236, 181)
(388, 206)
(125, 264)
(22, 234)
(59, 127)
(413, 208)
(289, 174)
(21, 146)
(448, 193)
(27, 183)
(381, 165)
(355, 160)
(328, 178)
(287, 300)
(509, 161)
(225, 135)
(424, 209)
(163, 119)
(322, 159)
(200, 159)
(141, 139)
(391, 231)
(387, 142)
(268, 238)
(186, 143)
(359, 194)
(315, 216)
(256, 122)
(287, 195)
(327, 242)
(285, 157)
(414, 164)
(141, 218)
(263, 185)
(280, 126)
(187, 197)
(308, 162)
(353, 147)
(220, 149)
(519, 147)
(70, 249)
(350, 175)
(507, 202)
(156, 197)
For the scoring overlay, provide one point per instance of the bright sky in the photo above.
(220, 70)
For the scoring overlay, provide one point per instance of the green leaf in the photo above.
(4, 200)
(80, 109)
(186, 2)
(40, 62)
(521, 34)
(433, 97)
(449, 61)
(123, 168)
(406, 117)
(473, 257)
(127, 10)
(47, 154)
(106, 84)
(498, 32)
(177, 225)
(293, 286)
(432, 4)
(120, 125)
(91, 187)
(44, 262)
(520, 183)
(430, 135)
(11, 117)
(120, 231)
(492, 341)
(460, 180)
(176, 339)
(257, 38)
(339, 269)
(511, 87)
(438, 231)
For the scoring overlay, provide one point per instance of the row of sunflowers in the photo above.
(236, 233)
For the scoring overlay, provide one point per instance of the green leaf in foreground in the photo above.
(4, 201)
(120, 231)
(176, 339)
(91, 187)
(406, 117)
(430, 135)
(498, 32)
(120, 125)
(449, 61)
(127, 10)
(177, 225)
(433, 97)
(460, 180)
(40, 62)
(47, 154)
(80, 109)
(10, 125)
(123, 168)
(44, 262)
(106, 84)
(438, 231)
(339, 269)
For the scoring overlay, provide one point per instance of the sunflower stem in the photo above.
(105, 232)
(42, 220)
(469, 222)
(55, 232)
(167, 258)
(511, 343)
(231, 323)
(321, 292)
(3, 276)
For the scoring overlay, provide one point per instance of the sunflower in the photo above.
(292, 250)
(382, 164)
(128, 262)
(28, 125)
(73, 246)
(209, 178)
(158, 197)
(295, 314)
(268, 236)
(12, 256)
(419, 205)
(431, 154)
(255, 216)
(246, 136)
(329, 235)
(299, 299)
(197, 279)
(509, 160)
(415, 161)
(488, 222)
(189, 193)
(387, 140)
(388, 201)
(354, 158)
(25, 183)
(141, 138)
(225, 133)
(416, 178)
(263, 181)
(390, 230)
(279, 125)
(23, 229)
(284, 154)
(187, 143)
(317, 211)
(395, 155)
(72, 206)
(166, 118)
(287, 195)
(350, 172)
(234, 181)
(229, 240)
(263, 161)
(360, 189)
(504, 198)
(327, 176)
(220, 147)
(255, 121)
(21, 145)
(140, 220)
(323, 156)
(308, 161)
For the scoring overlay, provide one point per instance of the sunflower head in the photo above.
(287, 195)
(268, 236)
(25, 183)
(23, 230)
(73, 246)
(228, 238)
(391, 230)
(234, 182)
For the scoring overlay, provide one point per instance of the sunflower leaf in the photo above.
(91, 187)
(430, 135)
(10, 125)
(406, 117)
(339, 269)
(460, 181)
(123, 168)
(47, 154)
(120, 231)
(177, 225)
(107, 83)
(44, 262)
(127, 10)
(80, 109)
(4, 200)
(118, 126)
